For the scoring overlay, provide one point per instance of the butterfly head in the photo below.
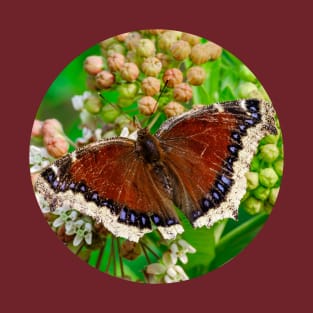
(147, 146)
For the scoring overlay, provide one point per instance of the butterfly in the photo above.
(196, 161)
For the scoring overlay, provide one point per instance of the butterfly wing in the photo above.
(108, 182)
(208, 151)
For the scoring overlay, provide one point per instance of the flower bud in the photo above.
(155, 269)
(245, 90)
(261, 193)
(150, 86)
(51, 127)
(131, 56)
(116, 61)
(279, 167)
(147, 105)
(173, 109)
(199, 54)
(267, 207)
(56, 145)
(196, 75)
(37, 128)
(180, 50)
(156, 31)
(93, 64)
(125, 102)
(269, 139)
(252, 180)
(269, 153)
(129, 72)
(93, 104)
(109, 113)
(273, 195)
(127, 91)
(130, 250)
(121, 37)
(182, 92)
(167, 38)
(104, 44)
(145, 48)
(252, 205)
(105, 79)
(151, 66)
(215, 50)
(191, 39)
(174, 77)
(132, 40)
(115, 48)
(165, 60)
(268, 177)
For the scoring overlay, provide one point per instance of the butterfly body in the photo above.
(196, 162)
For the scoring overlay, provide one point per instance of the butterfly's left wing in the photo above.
(208, 151)
(108, 182)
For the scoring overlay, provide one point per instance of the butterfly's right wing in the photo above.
(208, 151)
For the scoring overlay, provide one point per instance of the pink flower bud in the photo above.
(182, 92)
(191, 39)
(51, 127)
(156, 31)
(173, 108)
(151, 86)
(180, 50)
(174, 76)
(37, 128)
(196, 75)
(151, 66)
(132, 40)
(215, 50)
(57, 146)
(116, 61)
(145, 48)
(105, 79)
(165, 60)
(167, 38)
(147, 105)
(93, 64)
(121, 37)
(129, 72)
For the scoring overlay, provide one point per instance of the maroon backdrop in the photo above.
(39, 39)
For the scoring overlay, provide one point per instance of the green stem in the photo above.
(120, 258)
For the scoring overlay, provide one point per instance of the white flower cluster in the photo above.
(167, 270)
(38, 158)
(81, 228)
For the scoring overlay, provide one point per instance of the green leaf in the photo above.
(202, 239)
(237, 239)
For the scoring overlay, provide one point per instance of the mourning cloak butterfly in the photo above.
(196, 161)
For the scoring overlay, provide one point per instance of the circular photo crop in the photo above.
(156, 156)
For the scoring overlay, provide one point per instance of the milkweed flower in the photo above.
(166, 271)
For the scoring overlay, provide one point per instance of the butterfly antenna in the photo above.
(162, 91)
(155, 118)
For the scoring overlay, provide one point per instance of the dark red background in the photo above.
(272, 274)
